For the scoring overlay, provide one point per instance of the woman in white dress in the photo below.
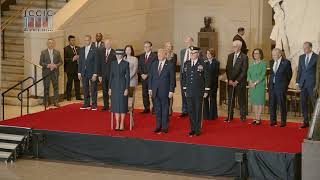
(133, 66)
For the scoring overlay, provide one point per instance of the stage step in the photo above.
(11, 137)
(14, 141)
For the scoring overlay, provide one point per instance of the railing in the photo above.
(20, 95)
(5, 92)
(35, 75)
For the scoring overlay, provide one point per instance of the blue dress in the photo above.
(118, 83)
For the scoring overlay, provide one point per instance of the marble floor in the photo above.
(28, 169)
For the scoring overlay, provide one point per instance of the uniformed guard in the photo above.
(195, 81)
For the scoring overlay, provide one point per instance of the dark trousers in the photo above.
(53, 78)
(195, 112)
(306, 94)
(145, 94)
(240, 93)
(86, 81)
(278, 98)
(105, 89)
(183, 99)
(210, 110)
(72, 77)
(161, 107)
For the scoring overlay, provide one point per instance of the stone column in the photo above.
(34, 43)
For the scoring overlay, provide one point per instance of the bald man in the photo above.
(236, 70)
(280, 77)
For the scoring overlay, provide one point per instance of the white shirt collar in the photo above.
(119, 61)
(309, 55)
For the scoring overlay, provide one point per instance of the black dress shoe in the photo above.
(304, 126)
(165, 131)
(157, 130)
(273, 124)
(104, 109)
(145, 111)
(68, 98)
(283, 125)
(197, 134)
(228, 119)
(191, 133)
(79, 98)
(243, 119)
(183, 115)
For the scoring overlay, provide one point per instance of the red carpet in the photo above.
(215, 133)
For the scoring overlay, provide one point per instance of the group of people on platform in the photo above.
(118, 71)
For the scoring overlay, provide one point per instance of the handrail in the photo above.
(19, 96)
(14, 17)
(19, 83)
(36, 65)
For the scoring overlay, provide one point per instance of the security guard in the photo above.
(195, 81)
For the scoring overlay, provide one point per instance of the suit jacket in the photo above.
(101, 44)
(244, 48)
(143, 68)
(45, 60)
(103, 65)
(69, 65)
(163, 83)
(282, 76)
(238, 72)
(214, 70)
(318, 75)
(195, 79)
(306, 76)
(88, 67)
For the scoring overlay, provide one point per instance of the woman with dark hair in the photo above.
(133, 66)
(257, 84)
(119, 88)
(210, 111)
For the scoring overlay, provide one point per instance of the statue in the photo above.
(207, 25)
(279, 34)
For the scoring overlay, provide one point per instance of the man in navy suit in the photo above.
(306, 79)
(161, 86)
(144, 65)
(280, 77)
(87, 72)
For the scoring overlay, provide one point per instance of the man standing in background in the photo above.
(99, 43)
(306, 80)
(50, 60)
(71, 58)
(105, 56)
(239, 37)
(185, 55)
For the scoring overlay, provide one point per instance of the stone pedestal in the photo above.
(207, 40)
(310, 160)
(34, 43)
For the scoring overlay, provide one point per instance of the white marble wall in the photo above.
(254, 15)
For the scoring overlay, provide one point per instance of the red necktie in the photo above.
(145, 58)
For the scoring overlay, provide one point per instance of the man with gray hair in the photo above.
(236, 70)
(280, 77)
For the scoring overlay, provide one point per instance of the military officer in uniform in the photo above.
(195, 81)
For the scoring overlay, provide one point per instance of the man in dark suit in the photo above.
(196, 86)
(236, 70)
(161, 88)
(239, 37)
(105, 56)
(87, 72)
(306, 79)
(184, 56)
(71, 58)
(50, 60)
(280, 77)
(144, 65)
(99, 43)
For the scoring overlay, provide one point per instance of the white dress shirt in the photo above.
(51, 54)
(87, 49)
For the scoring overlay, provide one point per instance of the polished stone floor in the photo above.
(27, 169)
